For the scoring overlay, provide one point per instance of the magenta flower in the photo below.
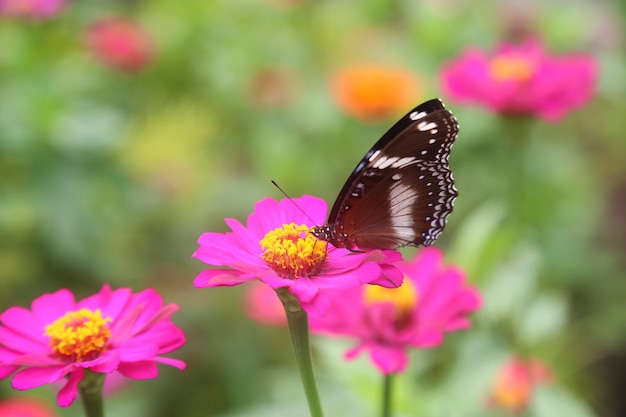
(32, 9)
(432, 300)
(121, 44)
(522, 80)
(112, 331)
(276, 248)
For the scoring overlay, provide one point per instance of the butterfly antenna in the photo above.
(293, 202)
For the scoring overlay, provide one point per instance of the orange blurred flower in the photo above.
(373, 92)
(513, 386)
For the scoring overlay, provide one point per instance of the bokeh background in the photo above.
(113, 163)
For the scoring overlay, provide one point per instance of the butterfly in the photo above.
(402, 191)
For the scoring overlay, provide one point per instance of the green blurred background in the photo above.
(109, 176)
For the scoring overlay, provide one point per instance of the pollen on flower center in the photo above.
(292, 251)
(404, 298)
(79, 335)
(511, 67)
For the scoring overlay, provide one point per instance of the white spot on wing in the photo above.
(402, 197)
(402, 162)
(374, 155)
(417, 115)
(423, 126)
(384, 162)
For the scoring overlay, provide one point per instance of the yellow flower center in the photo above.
(79, 335)
(404, 298)
(292, 251)
(511, 67)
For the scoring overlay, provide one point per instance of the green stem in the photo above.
(298, 322)
(386, 409)
(90, 390)
(517, 132)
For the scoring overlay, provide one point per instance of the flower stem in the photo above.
(90, 390)
(298, 322)
(517, 131)
(386, 409)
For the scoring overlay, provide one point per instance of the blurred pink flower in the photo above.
(32, 9)
(513, 385)
(120, 43)
(26, 407)
(264, 306)
(112, 331)
(522, 80)
(276, 248)
(432, 300)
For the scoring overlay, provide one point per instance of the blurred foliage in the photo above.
(107, 176)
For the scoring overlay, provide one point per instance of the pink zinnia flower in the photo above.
(513, 385)
(432, 300)
(32, 9)
(120, 43)
(112, 331)
(276, 248)
(522, 80)
(26, 407)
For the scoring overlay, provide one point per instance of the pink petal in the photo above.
(304, 289)
(163, 314)
(389, 360)
(347, 277)
(20, 343)
(172, 362)
(353, 353)
(37, 360)
(106, 363)
(226, 249)
(151, 303)
(123, 328)
(22, 322)
(49, 307)
(174, 339)
(139, 370)
(137, 351)
(112, 303)
(220, 277)
(67, 394)
(428, 338)
(268, 215)
(33, 377)
(6, 370)
(390, 277)
(245, 237)
(317, 306)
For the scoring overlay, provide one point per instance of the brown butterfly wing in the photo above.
(419, 199)
(402, 191)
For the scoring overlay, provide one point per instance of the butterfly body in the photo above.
(402, 191)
